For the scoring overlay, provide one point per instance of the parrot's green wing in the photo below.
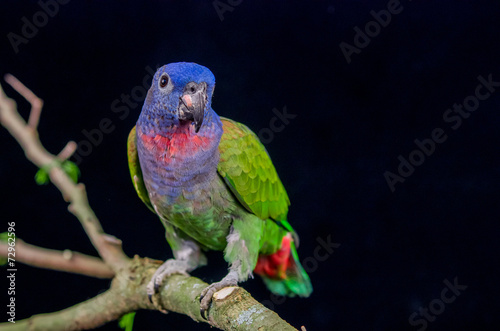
(249, 172)
(135, 170)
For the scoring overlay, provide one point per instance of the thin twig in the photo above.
(36, 102)
(67, 260)
(67, 151)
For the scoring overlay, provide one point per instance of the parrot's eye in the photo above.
(163, 81)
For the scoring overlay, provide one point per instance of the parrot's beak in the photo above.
(192, 103)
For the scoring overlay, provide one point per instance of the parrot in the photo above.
(214, 187)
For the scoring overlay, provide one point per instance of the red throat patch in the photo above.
(179, 145)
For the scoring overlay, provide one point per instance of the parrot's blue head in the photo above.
(180, 94)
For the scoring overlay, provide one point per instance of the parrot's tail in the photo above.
(282, 272)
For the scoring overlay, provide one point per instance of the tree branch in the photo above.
(231, 309)
(105, 307)
(56, 260)
(107, 246)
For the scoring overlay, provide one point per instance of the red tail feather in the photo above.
(275, 265)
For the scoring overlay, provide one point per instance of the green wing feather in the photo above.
(249, 172)
(135, 170)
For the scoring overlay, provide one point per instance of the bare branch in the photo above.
(232, 308)
(89, 314)
(36, 102)
(27, 136)
(56, 260)
(67, 151)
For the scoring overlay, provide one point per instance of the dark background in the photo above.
(353, 121)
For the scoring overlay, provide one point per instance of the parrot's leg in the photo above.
(187, 257)
(242, 251)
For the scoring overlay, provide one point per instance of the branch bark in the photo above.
(232, 308)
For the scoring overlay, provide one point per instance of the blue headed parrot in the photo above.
(213, 186)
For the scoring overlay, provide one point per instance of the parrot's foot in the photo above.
(231, 279)
(168, 268)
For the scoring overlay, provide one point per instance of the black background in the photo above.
(352, 122)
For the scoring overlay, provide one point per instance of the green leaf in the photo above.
(4, 236)
(72, 170)
(42, 177)
(127, 321)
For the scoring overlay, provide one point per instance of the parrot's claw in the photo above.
(203, 314)
(168, 268)
(208, 292)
